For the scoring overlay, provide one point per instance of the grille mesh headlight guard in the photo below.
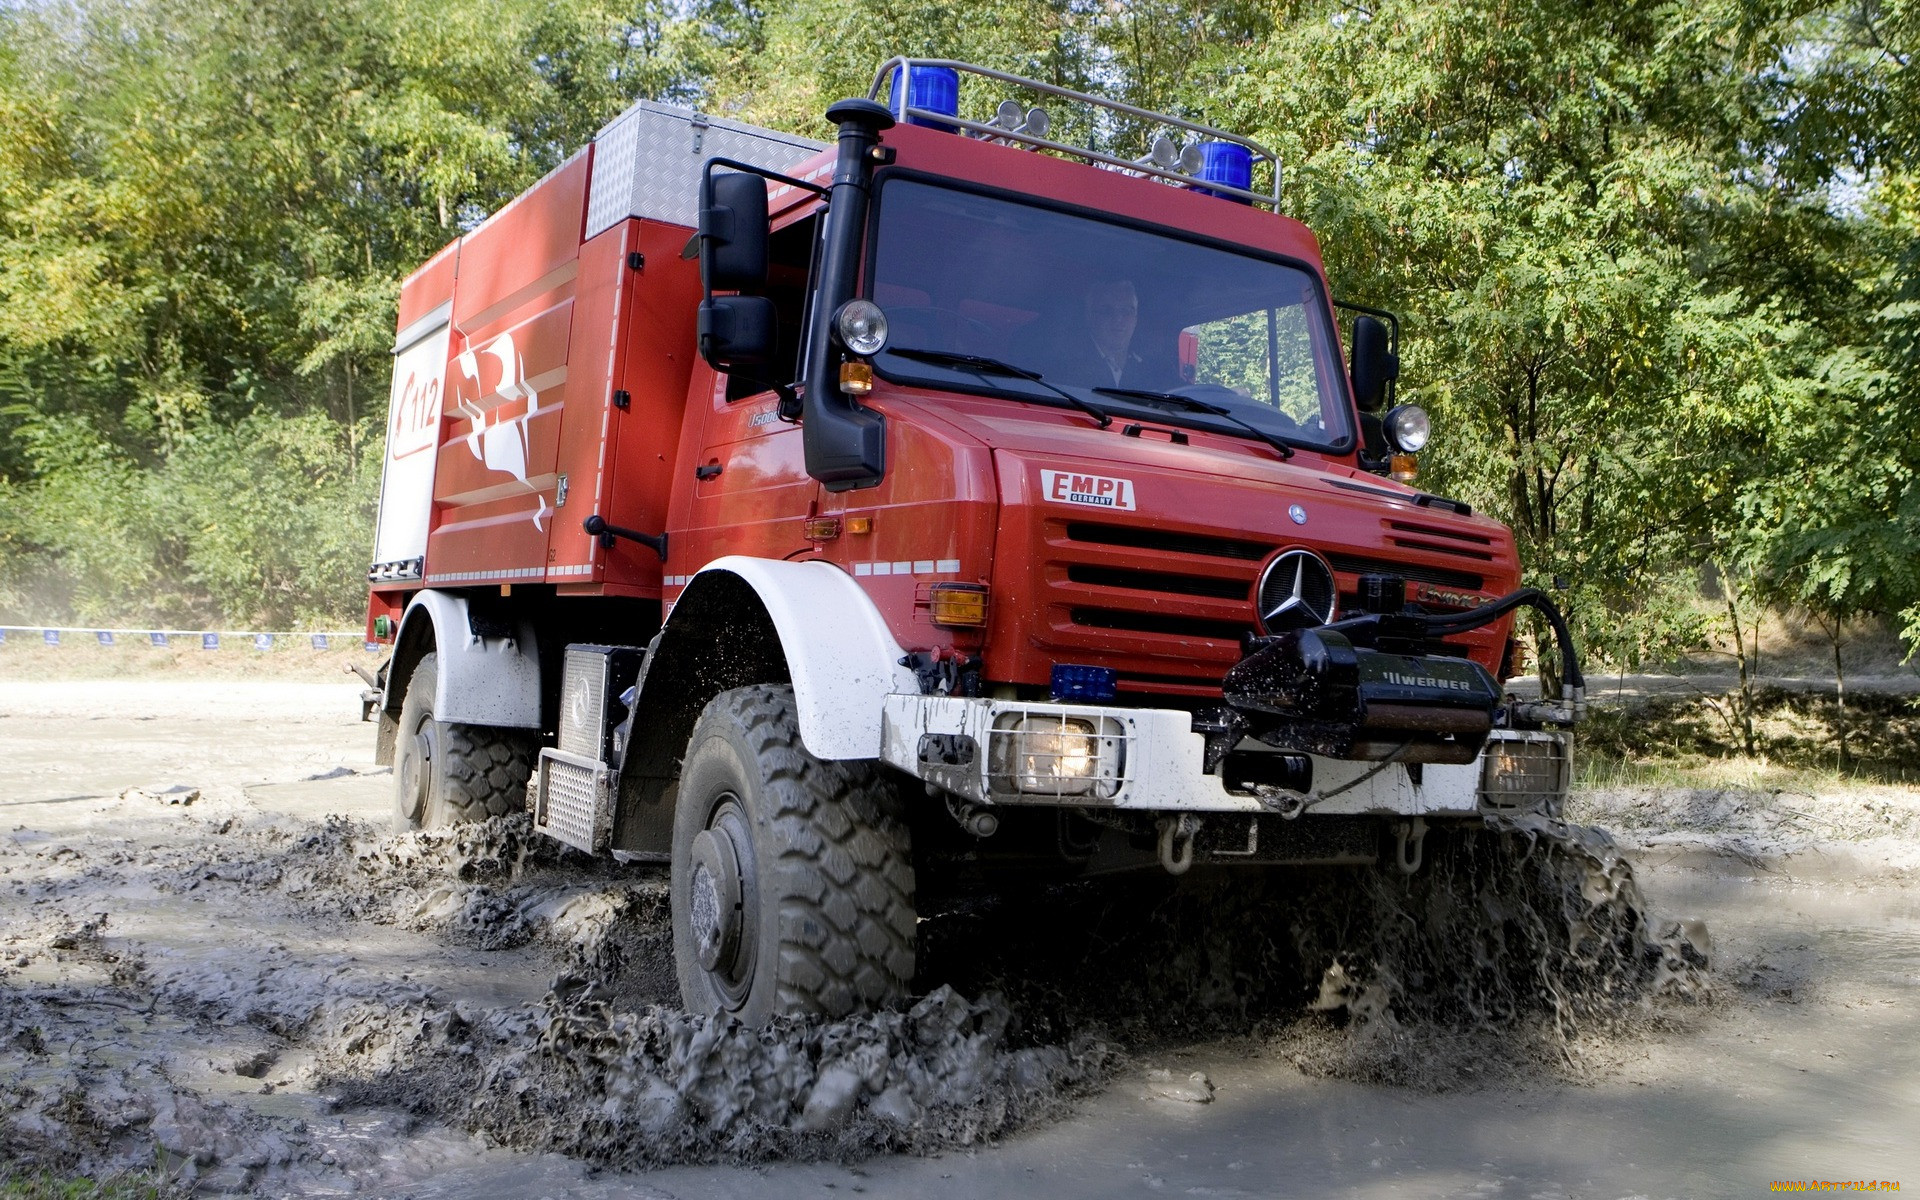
(1056, 755)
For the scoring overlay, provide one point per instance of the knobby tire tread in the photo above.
(845, 867)
(484, 771)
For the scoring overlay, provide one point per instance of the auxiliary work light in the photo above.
(862, 327)
(1407, 427)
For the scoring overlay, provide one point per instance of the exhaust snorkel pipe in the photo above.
(845, 443)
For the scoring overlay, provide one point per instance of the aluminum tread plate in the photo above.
(576, 801)
(647, 162)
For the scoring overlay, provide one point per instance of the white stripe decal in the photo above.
(923, 566)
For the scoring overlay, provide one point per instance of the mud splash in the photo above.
(631, 1089)
(1518, 950)
(1523, 950)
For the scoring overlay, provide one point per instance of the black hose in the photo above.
(1474, 618)
(1532, 598)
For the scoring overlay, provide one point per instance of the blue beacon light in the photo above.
(1228, 164)
(933, 88)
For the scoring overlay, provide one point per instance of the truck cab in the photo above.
(955, 503)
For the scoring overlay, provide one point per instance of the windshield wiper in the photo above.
(980, 365)
(1188, 402)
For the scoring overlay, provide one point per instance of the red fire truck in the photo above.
(852, 525)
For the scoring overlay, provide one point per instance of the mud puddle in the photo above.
(224, 990)
(283, 998)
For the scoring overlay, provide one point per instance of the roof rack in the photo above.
(1163, 163)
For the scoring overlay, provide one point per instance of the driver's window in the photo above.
(1265, 355)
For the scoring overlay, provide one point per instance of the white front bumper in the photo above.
(1155, 762)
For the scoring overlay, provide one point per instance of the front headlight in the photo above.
(1407, 427)
(862, 326)
(1050, 755)
(1047, 755)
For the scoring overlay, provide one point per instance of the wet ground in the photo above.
(211, 950)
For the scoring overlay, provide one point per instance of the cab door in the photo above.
(751, 491)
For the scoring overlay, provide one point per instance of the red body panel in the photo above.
(508, 384)
(1161, 591)
(655, 349)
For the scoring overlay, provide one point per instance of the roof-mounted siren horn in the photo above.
(930, 89)
(1228, 164)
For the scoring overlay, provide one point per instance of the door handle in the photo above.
(708, 471)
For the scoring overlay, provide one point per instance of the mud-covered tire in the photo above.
(445, 772)
(807, 900)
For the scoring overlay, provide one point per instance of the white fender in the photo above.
(482, 681)
(842, 656)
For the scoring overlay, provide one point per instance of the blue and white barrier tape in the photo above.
(209, 638)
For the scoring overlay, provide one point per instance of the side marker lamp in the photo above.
(959, 605)
(856, 378)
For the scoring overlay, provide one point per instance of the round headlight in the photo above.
(1407, 428)
(862, 326)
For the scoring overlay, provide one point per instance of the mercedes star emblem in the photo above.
(1296, 592)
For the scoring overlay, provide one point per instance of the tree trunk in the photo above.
(1839, 692)
(1743, 701)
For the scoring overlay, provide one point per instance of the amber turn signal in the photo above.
(960, 605)
(856, 378)
(1404, 468)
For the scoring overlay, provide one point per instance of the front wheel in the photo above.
(792, 877)
(445, 772)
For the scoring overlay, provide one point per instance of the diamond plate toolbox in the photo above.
(647, 162)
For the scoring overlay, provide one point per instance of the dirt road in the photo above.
(211, 950)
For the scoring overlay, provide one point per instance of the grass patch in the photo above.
(48, 1186)
(1695, 741)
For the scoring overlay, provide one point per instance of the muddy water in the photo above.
(282, 998)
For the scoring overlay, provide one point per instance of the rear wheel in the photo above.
(792, 877)
(445, 772)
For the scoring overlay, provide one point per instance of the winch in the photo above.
(1372, 687)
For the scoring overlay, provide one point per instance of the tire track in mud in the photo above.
(1524, 951)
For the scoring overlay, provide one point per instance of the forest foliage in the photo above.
(1658, 263)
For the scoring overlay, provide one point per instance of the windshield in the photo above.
(1088, 304)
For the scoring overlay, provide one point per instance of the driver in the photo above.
(1106, 356)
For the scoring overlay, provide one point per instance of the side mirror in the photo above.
(733, 233)
(737, 331)
(1374, 365)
